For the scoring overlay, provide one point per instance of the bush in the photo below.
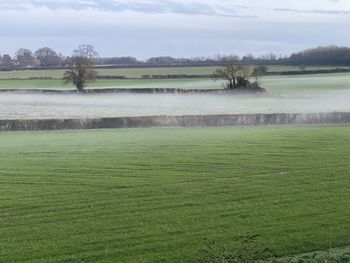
(321, 257)
(247, 250)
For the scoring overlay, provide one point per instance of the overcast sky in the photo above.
(145, 28)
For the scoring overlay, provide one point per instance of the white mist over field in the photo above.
(38, 106)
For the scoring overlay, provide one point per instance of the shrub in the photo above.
(247, 250)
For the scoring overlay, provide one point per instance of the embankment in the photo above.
(176, 121)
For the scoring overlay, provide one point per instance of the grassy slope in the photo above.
(154, 195)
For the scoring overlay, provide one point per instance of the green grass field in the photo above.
(127, 72)
(155, 195)
(157, 83)
(275, 84)
(307, 83)
(138, 72)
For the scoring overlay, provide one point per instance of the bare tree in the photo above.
(47, 57)
(25, 58)
(257, 73)
(86, 51)
(80, 73)
(236, 76)
(7, 62)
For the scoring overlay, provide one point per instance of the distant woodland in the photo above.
(48, 58)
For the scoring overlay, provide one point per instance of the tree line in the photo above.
(24, 58)
(46, 57)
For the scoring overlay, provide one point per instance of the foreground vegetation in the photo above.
(247, 249)
(341, 255)
(156, 195)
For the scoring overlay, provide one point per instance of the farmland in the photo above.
(158, 195)
(288, 94)
(105, 83)
(155, 195)
(274, 84)
(139, 72)
(174, 131)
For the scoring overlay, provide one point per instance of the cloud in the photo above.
(145, 6)
(147, 28)
(223, 8)
(315, 11)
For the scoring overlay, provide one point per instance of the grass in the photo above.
(338, 255)
(32, 84)
(161, 83)
(127, 72)
(275, 84)
(307, 83)
(138, 72)
(155, 195)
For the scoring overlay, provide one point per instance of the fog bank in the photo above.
(48, 106)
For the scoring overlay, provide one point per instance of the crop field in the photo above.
(105, 83)
(287, 94)
(54, 106)
(307, 83)
(139, 72)
(158, 195)
(275, 84)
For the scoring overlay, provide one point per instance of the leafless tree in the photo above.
(47, 57)
(257, 73)
(80, 73)
(236, 76)
(7, 63)
(86, 51)
(25, 58)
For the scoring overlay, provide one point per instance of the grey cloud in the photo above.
(314, 11)
(112, 38)
(150, 7)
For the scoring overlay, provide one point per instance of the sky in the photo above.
(179, 28)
